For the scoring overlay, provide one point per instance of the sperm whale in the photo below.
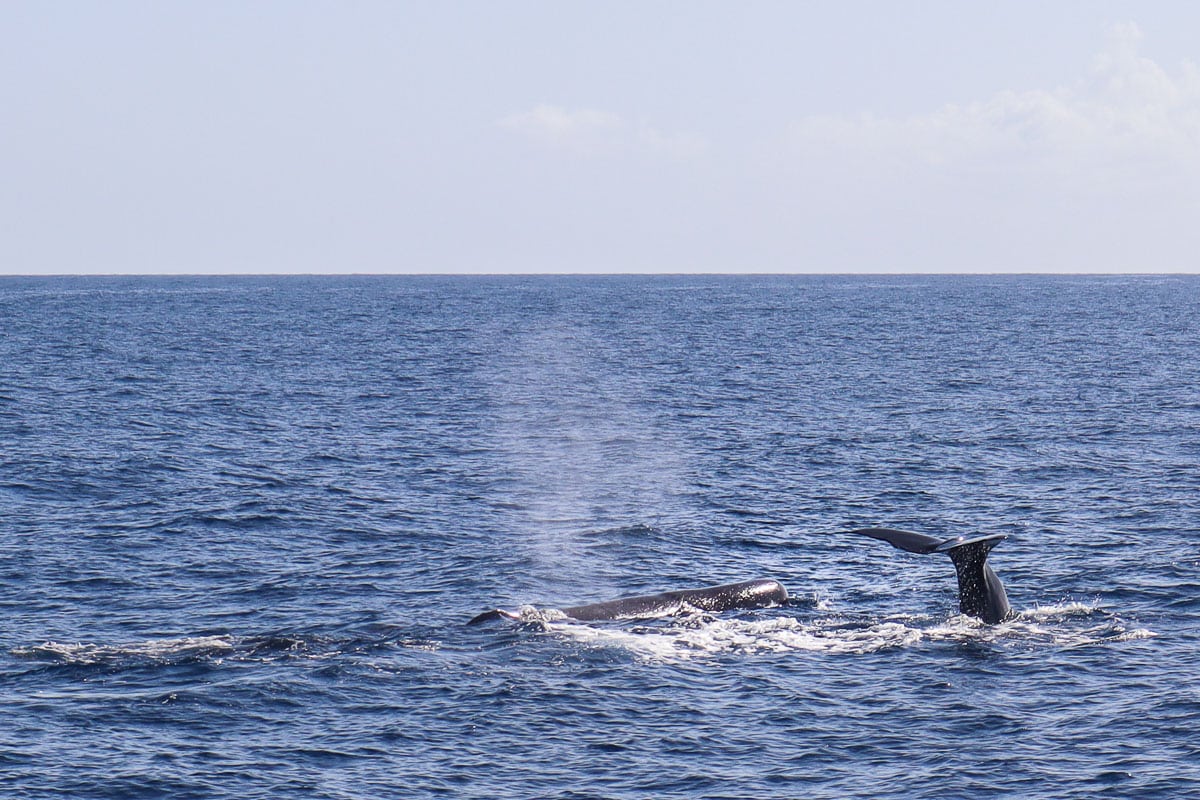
(762, 593)
(980, 592)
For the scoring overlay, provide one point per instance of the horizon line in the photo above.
(501, 274)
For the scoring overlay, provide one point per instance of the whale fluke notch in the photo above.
(980, 592)
(761, 593)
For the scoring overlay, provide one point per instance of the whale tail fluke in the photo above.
(903, 540)
(980, 592)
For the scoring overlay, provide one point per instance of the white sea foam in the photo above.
(1059, 611)
(535, 614)
(171, 649)
(705, 635)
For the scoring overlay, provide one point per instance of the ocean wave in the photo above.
(177, 650)
(169, 650)
(219, 648)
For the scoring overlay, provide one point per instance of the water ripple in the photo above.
(245, 519)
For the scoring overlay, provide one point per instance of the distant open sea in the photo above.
(244, 520)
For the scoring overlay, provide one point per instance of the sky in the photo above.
(569, 137)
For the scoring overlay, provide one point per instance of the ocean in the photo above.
(244, 520)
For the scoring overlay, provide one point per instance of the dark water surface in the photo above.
(242, 522)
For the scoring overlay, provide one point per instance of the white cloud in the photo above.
(597, 133)
(1098, 174)
(1128, 120)
(585, 130)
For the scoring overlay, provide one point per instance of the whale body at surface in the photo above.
(762, 593)
(980, 592)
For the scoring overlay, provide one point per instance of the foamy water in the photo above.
(700, 635)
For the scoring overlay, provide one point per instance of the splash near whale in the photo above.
(980, 592)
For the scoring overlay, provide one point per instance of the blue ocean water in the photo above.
(243, 522)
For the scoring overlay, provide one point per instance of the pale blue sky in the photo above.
(212, 137)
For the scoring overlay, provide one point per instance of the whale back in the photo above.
(760, 593)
